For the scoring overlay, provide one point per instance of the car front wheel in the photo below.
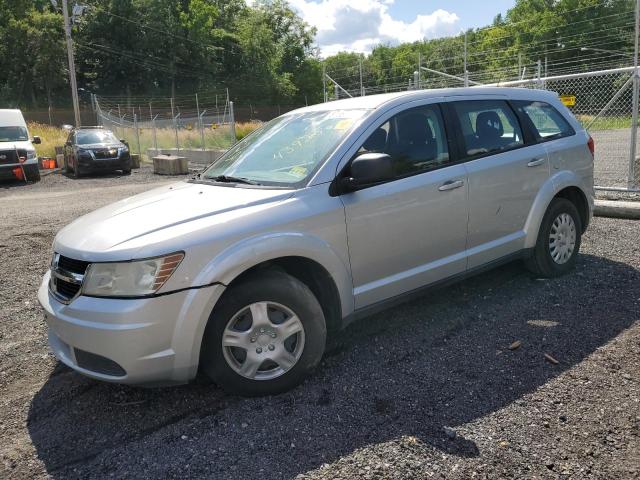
(558, 240)
(265, 336)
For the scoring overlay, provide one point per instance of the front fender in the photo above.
(238, 258)
(547, 192)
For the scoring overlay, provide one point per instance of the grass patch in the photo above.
(215, 137)
(605, 123)
(51, 137)
(245, 128)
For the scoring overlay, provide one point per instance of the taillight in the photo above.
(592, 146)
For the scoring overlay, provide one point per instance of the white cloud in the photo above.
(359, 25)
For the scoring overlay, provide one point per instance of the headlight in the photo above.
(130, 279)
(31, 154)
(122, 150)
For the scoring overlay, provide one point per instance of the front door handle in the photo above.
(450, 185)
(535, 162)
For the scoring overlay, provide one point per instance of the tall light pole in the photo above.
(72, 66)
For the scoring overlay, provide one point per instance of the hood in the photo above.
(24, 145)
(163, 208)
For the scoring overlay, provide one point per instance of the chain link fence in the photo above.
(603, 102)
(198, 129)
(201, 128)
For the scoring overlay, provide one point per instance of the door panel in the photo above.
(505, 176)
(502, 189)
(406, 233)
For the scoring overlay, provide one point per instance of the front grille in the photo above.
(103, 153)
(96, 363)
(66, 289)
(72, 265)
(11, 156)
(67, 275)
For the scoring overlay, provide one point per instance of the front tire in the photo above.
(558, 240)
(265, 336)
(76, 170)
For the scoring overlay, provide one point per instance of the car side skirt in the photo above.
(419, 292)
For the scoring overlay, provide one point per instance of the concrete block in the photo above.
(170, 165)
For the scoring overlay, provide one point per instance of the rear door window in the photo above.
(488, 127)
(547, 122)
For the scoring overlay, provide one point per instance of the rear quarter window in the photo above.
(546, 122)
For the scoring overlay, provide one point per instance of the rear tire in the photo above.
(558, 240)
(274, 335)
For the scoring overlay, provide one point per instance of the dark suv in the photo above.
(93, 149)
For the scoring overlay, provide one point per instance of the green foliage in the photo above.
(530, 31)
(263, 53)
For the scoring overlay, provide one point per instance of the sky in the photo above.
(359, 25)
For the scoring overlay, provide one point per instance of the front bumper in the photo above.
(6, 169)
(89, 164)
(134, 341)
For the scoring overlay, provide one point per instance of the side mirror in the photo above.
(36, 140)
(124, 142)
(368, 169)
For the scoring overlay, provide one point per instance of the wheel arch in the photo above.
(565, 184)
(305, 257)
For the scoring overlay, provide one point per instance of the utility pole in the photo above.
(419, 70)
(72, 66)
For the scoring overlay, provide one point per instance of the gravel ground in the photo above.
(429, 389)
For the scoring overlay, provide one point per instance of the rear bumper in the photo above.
(148, 341)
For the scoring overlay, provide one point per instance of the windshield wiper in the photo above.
(228, 179)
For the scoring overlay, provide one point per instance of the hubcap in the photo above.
(263, 341)
(562, 238)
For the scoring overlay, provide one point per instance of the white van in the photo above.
(18, 157)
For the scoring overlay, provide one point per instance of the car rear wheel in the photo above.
(558, 240)
(265, 336)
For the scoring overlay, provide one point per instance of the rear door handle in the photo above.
(535, 162)
(450, 185)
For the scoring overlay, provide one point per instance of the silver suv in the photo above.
(322, 216)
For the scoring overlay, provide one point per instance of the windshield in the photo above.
(13, 134)
(95, 136)
(287, 150)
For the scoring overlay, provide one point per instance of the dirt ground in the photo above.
(429, 389)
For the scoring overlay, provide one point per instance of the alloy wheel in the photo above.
(263, 341)
(562, 238)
